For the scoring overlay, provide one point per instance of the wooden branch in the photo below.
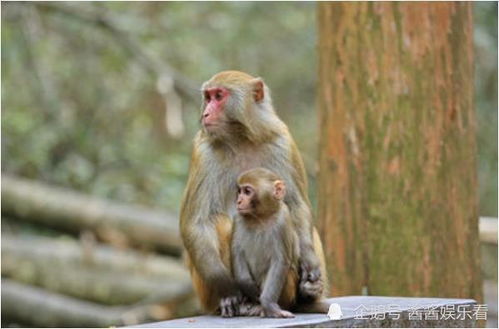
(96, 273)
(40, 308)
(488, 229)
(95, 255)
(116, 223)
(52, 310)
(109, 288)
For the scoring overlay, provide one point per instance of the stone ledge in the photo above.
(376, 312)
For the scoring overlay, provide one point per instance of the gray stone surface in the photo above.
(358, 311)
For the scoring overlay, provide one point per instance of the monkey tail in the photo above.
(312, 307)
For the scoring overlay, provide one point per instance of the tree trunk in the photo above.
(116, 223)
(398, 187)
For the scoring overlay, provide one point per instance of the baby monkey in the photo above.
(265, 248)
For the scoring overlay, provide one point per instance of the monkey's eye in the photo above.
(238, 190)
(206, 96)
(247, 190)
(218, 96)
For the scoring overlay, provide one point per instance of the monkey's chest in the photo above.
(249, 160)
(259, 253)
(231, 169)
(222, 174)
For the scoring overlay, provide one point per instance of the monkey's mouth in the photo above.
(207, 124)
(210, 127)
(244, 210)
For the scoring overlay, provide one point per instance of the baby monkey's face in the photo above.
(259, 194)
(246, 198)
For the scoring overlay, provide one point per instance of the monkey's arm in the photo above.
(309, 261)
(202, 244)
(242, 273)
(273, 286)
(205, 236)
(311, 279)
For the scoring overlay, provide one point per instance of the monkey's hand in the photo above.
(229, 306)
(311, 284)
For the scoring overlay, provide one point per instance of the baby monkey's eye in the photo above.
(247, 190)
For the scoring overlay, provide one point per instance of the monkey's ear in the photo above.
(279, 189)
(258, 90)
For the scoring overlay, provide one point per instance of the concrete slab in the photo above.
(358, 311)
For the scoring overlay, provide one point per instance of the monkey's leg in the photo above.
(275, 279)
(249, 309)
(288, 294)
(208, 296)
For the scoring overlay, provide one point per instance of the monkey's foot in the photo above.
(250, 309)
(277, 314)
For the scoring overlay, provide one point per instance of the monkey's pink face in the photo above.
(214, 101)
(245, 198)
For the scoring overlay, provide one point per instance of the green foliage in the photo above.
(80, 110)
(485, 37)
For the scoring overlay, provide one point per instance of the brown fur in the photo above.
(288, 295)
(320, 251)
(251, 135)
(209, 299)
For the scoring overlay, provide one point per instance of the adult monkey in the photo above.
(240, 131)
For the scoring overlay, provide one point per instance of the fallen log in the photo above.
(113, 288)
(70, 251)
(54, 310)
(72, 211)
(85, 281)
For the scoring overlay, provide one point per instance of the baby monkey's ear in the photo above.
(279, 189)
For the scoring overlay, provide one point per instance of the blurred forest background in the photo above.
(103, 97)
(81, 110)
(82, 107)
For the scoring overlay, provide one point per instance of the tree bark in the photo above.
(113, 222)
(398, 186)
